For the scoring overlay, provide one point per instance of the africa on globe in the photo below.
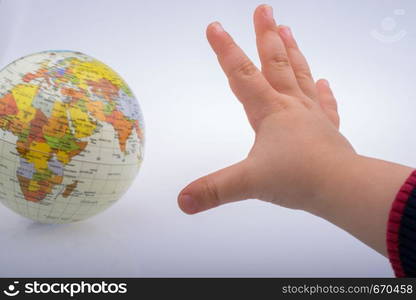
(71, 136)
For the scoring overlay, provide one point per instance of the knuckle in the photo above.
(275, 107)
(308, 103)
(245, 69)
(278, 104)
(279, 61)
(210, 191)
(282, 105)
(303, 74)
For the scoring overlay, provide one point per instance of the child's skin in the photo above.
(299, 159)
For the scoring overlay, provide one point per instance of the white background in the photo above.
(195, 126)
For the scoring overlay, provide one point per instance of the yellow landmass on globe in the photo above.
(23, 95)
(57, 125)
(95, 71)
(39, 154)
(82, 123)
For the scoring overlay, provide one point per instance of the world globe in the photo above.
(71, 136)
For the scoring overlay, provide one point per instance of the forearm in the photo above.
(357, 197)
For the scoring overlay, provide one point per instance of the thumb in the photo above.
(226, 185)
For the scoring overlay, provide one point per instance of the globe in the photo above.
(71, 136)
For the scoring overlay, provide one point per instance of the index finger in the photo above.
(247, 82)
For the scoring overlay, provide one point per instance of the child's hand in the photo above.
(297, 142)
(299, 158)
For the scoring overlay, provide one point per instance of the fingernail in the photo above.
(286, 31)
(188, 204)
(268, 11)
(217, 26)
(326, 82)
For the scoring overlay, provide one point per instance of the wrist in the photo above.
(337, 169)
(357, 194)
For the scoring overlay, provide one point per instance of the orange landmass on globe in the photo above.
(38, 74)
(104, 87)
(74, 94)
(122, 126)
(8, 105)
(69, 189)
(36, 126)
(96, 108)
(36, 191)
